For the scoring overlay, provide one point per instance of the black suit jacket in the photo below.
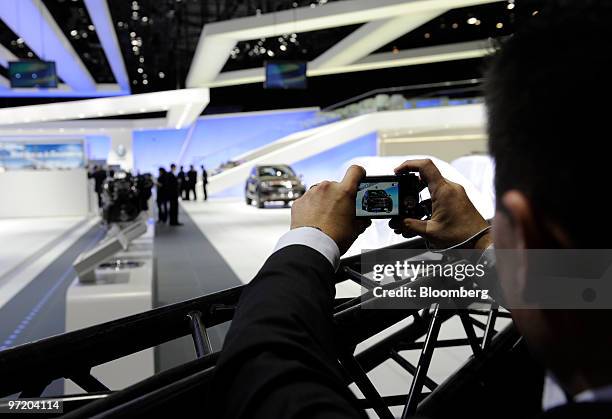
(278, 360)
(596, 410)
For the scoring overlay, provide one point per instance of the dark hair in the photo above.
(548, 124)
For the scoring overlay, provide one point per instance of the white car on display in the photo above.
(480, 170)
(379, 234)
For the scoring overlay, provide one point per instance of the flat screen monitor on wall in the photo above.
(33, 73)
(285, 75)
(24, 155)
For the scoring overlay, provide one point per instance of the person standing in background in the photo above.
(173, 190)
(182, 183)
(99, 176)
(162, 196)
(204, 182)
(192, 180)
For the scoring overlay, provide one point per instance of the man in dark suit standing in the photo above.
(162, 195)
(99, 176)
(182, 183)
(172, 190)
(204, 182)
(192, 180)
(279, 358)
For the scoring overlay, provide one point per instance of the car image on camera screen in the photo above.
(377, 199)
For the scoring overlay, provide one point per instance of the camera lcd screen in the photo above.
(377, 199)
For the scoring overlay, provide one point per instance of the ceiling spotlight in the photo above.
(472, 21)
(161, 75)
(84, 35)
(141, 59)
(455, 25)
(145, 19)
(20, 41)
(270, 53)
(133, 34)
(30, 54)
(510, 6)
(91, 28)
(427, 35)
(73, 32)
(499, 25)
(140, 70)
(283, 48)
(535, 12)
(145, 82)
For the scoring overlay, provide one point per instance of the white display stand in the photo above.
(115, 293)
(44, 193)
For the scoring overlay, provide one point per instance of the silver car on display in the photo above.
(273, 182)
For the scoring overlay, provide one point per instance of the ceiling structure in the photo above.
(107, 48)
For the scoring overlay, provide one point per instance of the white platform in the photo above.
(30, 245)
(116, 294)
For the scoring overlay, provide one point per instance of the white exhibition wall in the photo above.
(53, 193)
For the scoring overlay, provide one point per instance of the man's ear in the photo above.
(527, 233)
(533, 231)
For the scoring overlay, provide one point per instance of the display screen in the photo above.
(377, 199)
(33, 74)
(285, 75)
(41, 156)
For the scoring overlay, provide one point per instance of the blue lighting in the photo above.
(216, 139)
(56, 93)
(25, 19)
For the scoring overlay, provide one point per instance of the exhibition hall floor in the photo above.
(244, 235)
(36, 260)
(29, 245)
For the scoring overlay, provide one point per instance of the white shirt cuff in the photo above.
(313, 238)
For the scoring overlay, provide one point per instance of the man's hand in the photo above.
(330, 207)
(454, 218)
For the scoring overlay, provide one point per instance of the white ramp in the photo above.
(336, 134)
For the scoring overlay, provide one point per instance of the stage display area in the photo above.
(29, 246)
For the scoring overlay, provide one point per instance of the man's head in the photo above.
(191, 167)
(547, 128)
(173, 167)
